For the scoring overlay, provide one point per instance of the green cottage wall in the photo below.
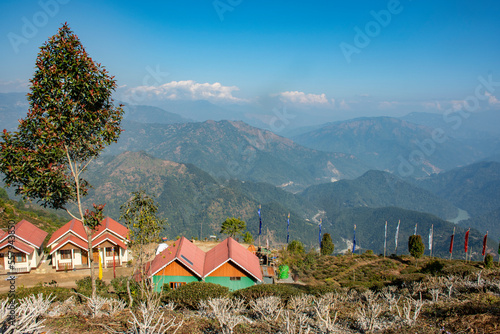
(245, 282)
(159, 280)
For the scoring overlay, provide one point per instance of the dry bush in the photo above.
(411, 304)
(323, 306)
(369, 311)
(59, 309)
(149, 320)
(294, 323)
(95, 305)
(28, 312)
(268, 308)
(300, 303)
(227, 312)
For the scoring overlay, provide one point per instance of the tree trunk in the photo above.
(129, 293)
(91, 261)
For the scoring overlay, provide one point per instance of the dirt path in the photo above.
(63, 279)
(354, 267)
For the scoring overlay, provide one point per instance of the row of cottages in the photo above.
(228, 264)
(26, 247)
(69, 245)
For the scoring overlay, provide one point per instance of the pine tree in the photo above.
(327, 246)
(416, 246)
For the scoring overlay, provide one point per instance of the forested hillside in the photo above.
(377, 189)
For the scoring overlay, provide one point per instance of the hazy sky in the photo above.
(340, 56)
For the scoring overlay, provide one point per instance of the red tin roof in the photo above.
(75, 226)
(28, 233)
(231, 250)
(19, 245)
(108, 237)
(202, 264)
(107, 225)
(113, 226)
(184, 251)
(73, 240)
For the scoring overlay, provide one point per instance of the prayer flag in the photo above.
(260, 221)
(354, 240)
(485, 239)
(288, 228)
(466, 244)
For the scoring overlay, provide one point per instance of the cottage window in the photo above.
(20, 257)
(109, 251)
(65, 254)
(175, 285)
(235, 278)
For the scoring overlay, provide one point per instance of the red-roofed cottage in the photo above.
(232, 265)
(228, 264)
(69, 246)
(27, 247)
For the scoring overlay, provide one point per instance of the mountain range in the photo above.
(233, 149)
(196, 203)
(345, 173)
(394, 145)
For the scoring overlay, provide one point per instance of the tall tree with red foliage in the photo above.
(71, 119)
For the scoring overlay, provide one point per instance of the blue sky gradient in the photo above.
(428, 57)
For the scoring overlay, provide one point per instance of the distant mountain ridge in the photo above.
(233, 149)
(193, 201)
(391, 144)
(148, 114)
(377, 189)
(474, 188)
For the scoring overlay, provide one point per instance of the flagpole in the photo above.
(385, 237)
(260, 225)
(451, 242)
(397, 235)
(466, 243)
(319, 237)
(288, 229)
(354, 241)
(431, 239)
(485, 240)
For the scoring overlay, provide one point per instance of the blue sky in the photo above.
(422, 56)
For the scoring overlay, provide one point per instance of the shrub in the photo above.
(460, 269)
(318, 290)
(488, 261)
(416, 246)
(327, 246)
(119, 285)
(369, 252)
(284, 291)
(3, 194)
(60, 294)
(191, 294)
(84, 286)
(434, 268)
(411, 277)
(295, 247)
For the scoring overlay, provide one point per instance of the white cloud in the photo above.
(188, 90)
(457, 104)
(492, 100)
(432, 105)
(387, 104)
(344, 105)
(14, 86)
(305, 99)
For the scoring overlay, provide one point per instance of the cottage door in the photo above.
(85, 257)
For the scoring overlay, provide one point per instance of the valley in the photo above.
(346, 174)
